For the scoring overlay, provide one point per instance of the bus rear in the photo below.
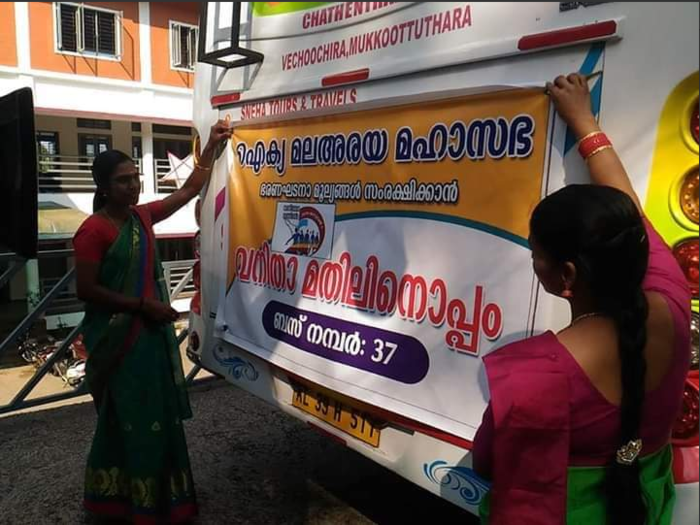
(363, 238)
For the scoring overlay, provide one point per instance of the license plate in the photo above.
(337, 413)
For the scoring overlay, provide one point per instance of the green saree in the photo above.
(585, 496)
(138, 466)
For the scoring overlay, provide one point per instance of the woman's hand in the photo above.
(572, 101)
(219, 132)
(158, 312)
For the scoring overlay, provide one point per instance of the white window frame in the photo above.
(118, 17)
(171, 30)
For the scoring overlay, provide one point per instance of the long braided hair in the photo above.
(600, 230)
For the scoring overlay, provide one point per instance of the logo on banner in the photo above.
(304, 229)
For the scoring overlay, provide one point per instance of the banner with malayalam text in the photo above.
(383, 253)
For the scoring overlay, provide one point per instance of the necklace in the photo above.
(584, 316)
(110, 219)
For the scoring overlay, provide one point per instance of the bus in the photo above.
(363, 238)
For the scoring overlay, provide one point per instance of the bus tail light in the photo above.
(689, 196)
(686, 253)
(685, 431)
(197, 275)
(196, 304)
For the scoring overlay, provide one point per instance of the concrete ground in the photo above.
(252, 465)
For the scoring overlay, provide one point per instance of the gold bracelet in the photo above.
(591, 134)
(595, 152)
(203, 168)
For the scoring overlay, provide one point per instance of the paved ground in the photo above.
(251, 464)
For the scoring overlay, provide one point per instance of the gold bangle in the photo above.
(591, 134)
(203, 168)
(596, 151)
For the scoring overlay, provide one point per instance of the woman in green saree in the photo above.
(138, 467)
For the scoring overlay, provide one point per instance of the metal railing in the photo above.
(68, 174)
(72, 174)
(161, 168)
(179, 273)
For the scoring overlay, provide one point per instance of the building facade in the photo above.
(104, 75)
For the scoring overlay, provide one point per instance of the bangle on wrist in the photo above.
(593, 143)
(202, 168)
(596, 151)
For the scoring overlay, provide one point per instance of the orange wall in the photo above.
(42, 31)
(161, 14)
(8, 42)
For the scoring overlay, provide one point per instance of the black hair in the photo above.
(600, 230)
(104, 165)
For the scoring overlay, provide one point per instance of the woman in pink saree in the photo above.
(579, 423)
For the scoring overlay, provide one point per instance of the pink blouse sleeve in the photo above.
(664, 276)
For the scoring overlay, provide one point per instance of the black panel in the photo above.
(18, 174)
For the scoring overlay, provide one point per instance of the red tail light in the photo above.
(686, 253)
(689, 196)
(685, 431)
(197, 276)
(196, 304)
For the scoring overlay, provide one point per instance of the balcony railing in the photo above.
(72, 174)
(68, 174)
(161, 169)
(65, 174)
